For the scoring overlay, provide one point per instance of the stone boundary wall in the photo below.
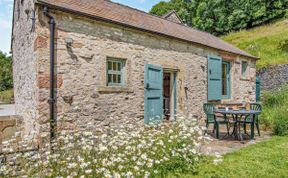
(274, 77)
(9, 125)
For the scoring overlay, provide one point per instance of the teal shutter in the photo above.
(153, 94)
(214, 78)
(258, 91)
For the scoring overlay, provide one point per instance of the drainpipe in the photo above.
(52, 100)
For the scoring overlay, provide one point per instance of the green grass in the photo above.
(6, 96)
(267, 159)
(269, 42)
(275, 111)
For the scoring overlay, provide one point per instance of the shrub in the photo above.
(283, 45)
(275, 111)
(6, 80)
(281, 123)
(6, 96)
(221, 16)
(124, 151)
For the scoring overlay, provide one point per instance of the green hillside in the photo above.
(269, 42)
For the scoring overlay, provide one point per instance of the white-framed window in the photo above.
(115, 71)
(244, 69)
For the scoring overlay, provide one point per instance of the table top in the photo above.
(242, 111)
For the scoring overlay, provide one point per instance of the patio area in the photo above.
(7, 110)
(230, 144)
(232, 126)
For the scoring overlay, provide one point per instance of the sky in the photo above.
(6, 12)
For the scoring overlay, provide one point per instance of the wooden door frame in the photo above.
(173, 88)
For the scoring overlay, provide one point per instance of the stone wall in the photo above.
(24, 64)
(9, 125)
(242, 87)
(83, 100)
(273, 77)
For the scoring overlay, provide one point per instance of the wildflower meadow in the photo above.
(125, 150)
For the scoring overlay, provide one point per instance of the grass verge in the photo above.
(269, 42)
(266, 159)
(6, 96)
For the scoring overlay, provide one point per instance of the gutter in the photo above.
(52, 100)
(12, 33)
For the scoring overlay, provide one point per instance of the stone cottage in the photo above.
(112, 63)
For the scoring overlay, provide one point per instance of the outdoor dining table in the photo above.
(238, 116)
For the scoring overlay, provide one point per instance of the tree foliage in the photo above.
(222, 16)
(6, 79)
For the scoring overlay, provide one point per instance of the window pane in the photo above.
(119, 66)
(224, 79)
(110, 78)
(244, 68)
(115, 79)
(114, 65)
(114, 72)
(109, 65)
(119, 78)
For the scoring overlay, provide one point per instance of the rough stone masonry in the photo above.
(83, 99)
(273, 77)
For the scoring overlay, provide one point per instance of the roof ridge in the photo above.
(129, 7)
(168, 13)
(126, 6)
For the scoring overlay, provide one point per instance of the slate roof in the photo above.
(130, 17)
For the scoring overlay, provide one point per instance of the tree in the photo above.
(222, 16)
(6, 79)
(161, 8)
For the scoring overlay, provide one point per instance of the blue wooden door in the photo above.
(214, 78)
(153, 94)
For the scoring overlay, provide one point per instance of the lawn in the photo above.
(6, 96)
(269, 42)
(266, 159)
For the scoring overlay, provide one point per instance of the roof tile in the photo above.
(134, 18)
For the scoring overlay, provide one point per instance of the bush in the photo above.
(124, 151)
(221, 16)
(283, 45)
(6, 96)
(275, 111)
(6, 79)
(281, 123)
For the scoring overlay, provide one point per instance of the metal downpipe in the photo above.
(52, 100)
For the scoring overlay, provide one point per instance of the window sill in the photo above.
(114, 89)
(227, 101)
(225, 98)
(244, 79)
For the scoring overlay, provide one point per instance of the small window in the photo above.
(115, 72)
(244, 69)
